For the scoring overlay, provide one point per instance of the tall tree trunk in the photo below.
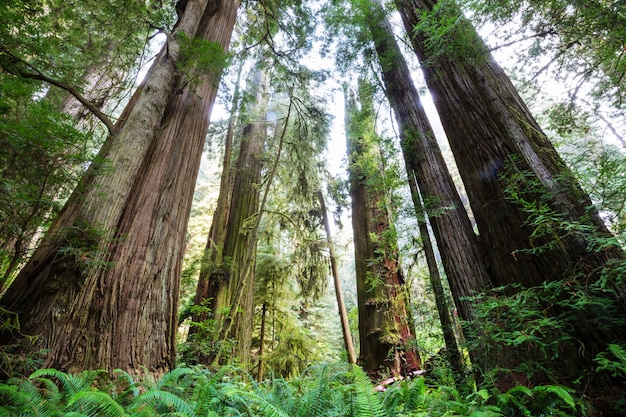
(239, 320)
(341, 306)
(234, 299)
(498, 144)
(453, 352)
(460, 251)
(232, 291)
(212, 261)
(261, 369)
(101, 290)
(384, 331)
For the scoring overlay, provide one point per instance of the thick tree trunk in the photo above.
(384, 331)
(101, 290)
(498, 144)
(460, 251)
(341, 306)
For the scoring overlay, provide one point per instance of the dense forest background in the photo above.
(224, 207)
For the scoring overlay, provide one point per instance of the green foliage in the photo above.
(601, 170)
(346, 28)
(582, 40)
(63, 38)
(13, 361)
(528, 328)
(82, 245)
(45, 45)
(203, 343)
(323, 390)
(549, 224)
(446, 32)
(613, 360)
(40, 158)
(201, 58)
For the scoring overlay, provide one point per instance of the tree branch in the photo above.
(38, 75)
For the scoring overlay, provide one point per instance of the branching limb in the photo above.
(36, 74)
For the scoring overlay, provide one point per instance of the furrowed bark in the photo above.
(101, 290)
(505, 159)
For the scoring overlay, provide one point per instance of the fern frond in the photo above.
(124, 376)
(172, 377)
(264, 406)
(415, 394)
(168, 399)
(125, 387)
(94, 400)
(556, 391)
(487, 413)
(50, 389)
(367, 401)
(521, 389)
(72, 384)
(24, 402)
(315, 400)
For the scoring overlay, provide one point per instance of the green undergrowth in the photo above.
(323, 390)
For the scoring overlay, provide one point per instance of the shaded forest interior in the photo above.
(288, 208)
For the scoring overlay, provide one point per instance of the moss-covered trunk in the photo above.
(459, 247)
(212, 266)
(384, 333)
(233, 285)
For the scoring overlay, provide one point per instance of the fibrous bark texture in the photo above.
(232, 289)
(460, 251)
(101, 290)
(511, 173)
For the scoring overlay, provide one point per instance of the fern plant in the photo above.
(335, 390)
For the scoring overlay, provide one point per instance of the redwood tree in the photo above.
(231, 285)
(43, 49)
(536, 223)
(459, 247)
(384, 332)
(101, 290)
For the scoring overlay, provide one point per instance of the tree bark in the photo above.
(461, 254)
(341, 306)
(213, 255)
(384, 332)
(101, 290)
(233, 296)
(453, 352)
(498, 144)
(234, 305)
(261, 369)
